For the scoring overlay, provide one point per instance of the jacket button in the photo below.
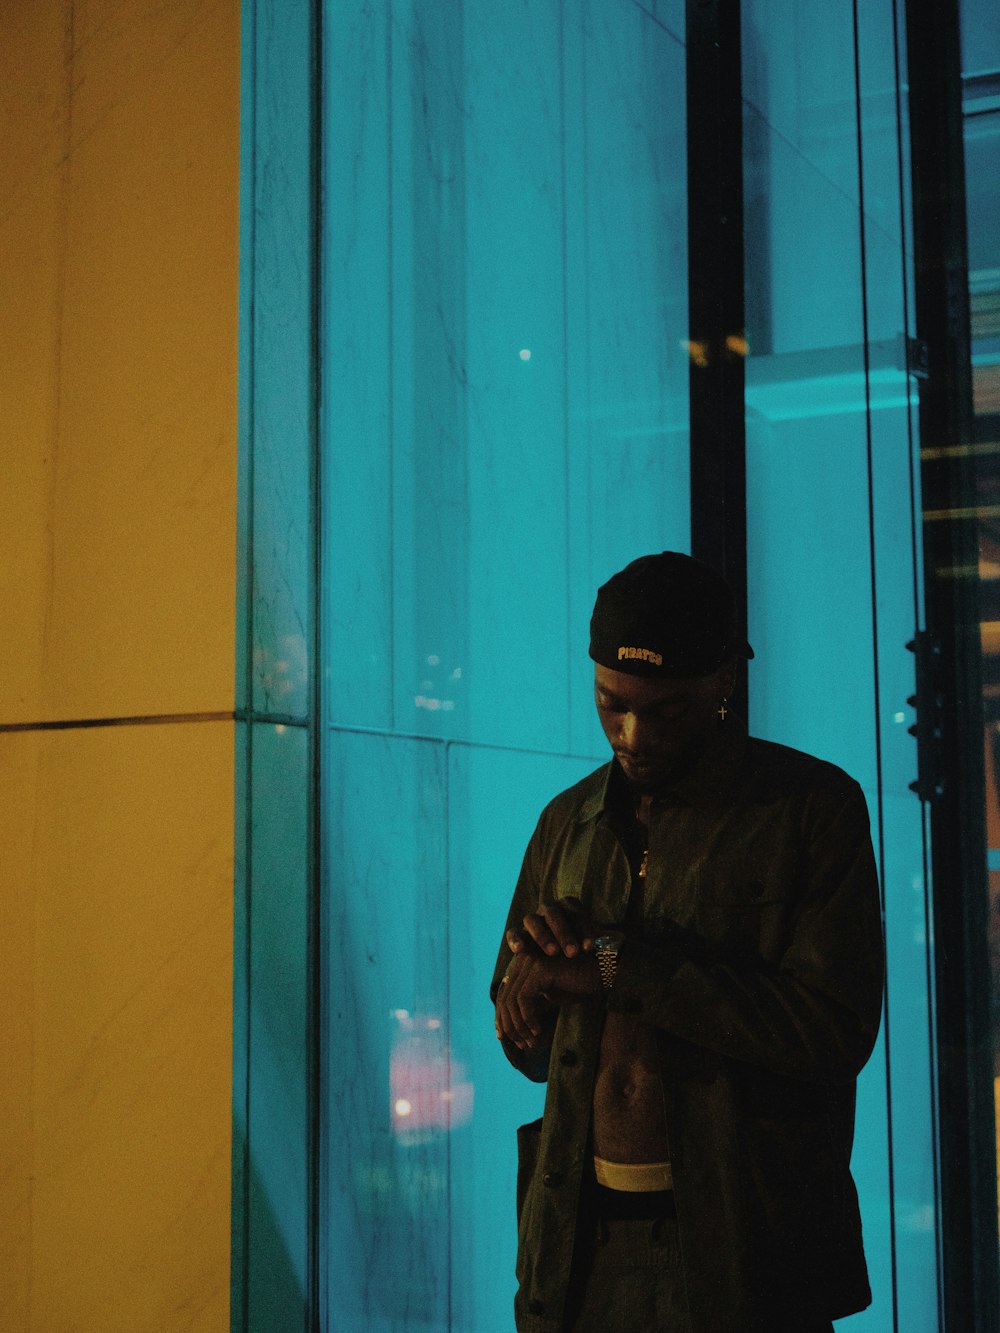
(568, 1058)
(536, 1306)
(552, 1178)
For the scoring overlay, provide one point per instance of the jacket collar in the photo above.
(705, 786)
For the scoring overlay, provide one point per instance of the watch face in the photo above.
(609, 941)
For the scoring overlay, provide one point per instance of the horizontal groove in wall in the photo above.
(158, 720)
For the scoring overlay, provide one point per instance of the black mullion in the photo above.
(715, 295)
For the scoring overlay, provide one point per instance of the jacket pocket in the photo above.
(529, 1138)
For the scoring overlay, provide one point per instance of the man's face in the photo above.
(658, 728)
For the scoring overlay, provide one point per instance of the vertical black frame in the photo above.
(949, 701)
(715, 297)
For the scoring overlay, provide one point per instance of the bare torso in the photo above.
(628, 1100)
(629, 1124)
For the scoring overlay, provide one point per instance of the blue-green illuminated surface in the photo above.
(506, 423)
(832, 580)
(270, 1241)
(505, 419)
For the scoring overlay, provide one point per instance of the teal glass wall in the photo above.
(276, 728)
(502, 284)
(506, 423)
(833, 511)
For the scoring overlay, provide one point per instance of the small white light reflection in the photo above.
(921, 1219)
(433, 1024)
(525, 353)
(900, 717)
(434, 705)
(433, 660)
(446, 1094)
(279, 728)
(457, 674)
(402, 1107)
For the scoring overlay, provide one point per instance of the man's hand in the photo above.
(533, 989)
(557, 927)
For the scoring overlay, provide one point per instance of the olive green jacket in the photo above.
(760, 963)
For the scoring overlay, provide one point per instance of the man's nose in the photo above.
(630, 732)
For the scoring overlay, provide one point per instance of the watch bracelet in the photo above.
(607, 962)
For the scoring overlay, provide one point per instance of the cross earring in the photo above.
(723, 711)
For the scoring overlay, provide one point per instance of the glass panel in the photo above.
(505, 425)
(271, 1075)
(980, 22)
(271, 1119)
(391, 1078)
(276, 363)
(831, 552)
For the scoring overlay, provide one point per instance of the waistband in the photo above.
(633, 1177)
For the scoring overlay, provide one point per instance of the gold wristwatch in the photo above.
(606, 948)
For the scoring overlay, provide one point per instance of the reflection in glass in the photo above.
(428, 1090)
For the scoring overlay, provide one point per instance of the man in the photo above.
(693, 960)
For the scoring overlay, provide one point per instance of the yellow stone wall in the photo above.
(118, 345)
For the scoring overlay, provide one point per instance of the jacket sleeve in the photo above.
(815, 1013)
(533, 1064)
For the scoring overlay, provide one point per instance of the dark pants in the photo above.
(627, 1275)
(633, 1280)
(627, 1272)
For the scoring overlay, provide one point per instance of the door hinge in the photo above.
(927, 701)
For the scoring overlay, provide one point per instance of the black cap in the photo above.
(666, 615)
